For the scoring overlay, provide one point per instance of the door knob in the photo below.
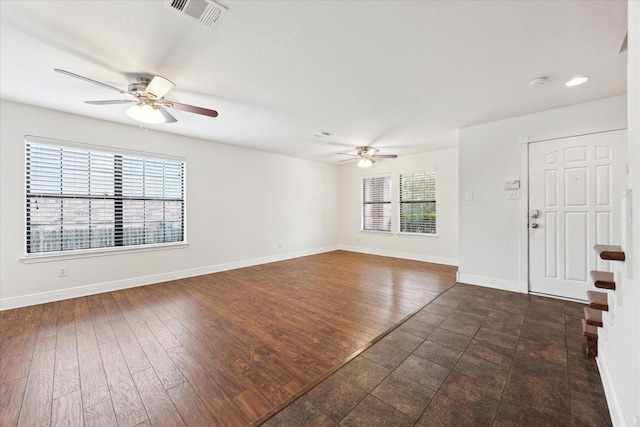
(534, 225)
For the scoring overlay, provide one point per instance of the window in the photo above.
(81, 198)
(418, 202)
(376, 203)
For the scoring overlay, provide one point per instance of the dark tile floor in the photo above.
(472, 357)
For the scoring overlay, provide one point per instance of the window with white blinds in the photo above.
(79, 199)
(376, 203)
(418, 202)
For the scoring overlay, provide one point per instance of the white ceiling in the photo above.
(402, 76)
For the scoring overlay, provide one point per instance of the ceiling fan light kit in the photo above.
(146, 112)
(365, 162)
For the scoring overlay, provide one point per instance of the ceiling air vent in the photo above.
(207, 12)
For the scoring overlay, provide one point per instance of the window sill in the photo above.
(384, 233)
(418, 235)
(92, 253)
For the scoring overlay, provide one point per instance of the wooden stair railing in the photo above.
(598, 301)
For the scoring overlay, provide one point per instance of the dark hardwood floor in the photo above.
(223, 349)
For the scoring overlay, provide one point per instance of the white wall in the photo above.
(492, 249)
(619, 339)
(240, 204)
(442, 249)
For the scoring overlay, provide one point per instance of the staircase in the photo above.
(598, 301)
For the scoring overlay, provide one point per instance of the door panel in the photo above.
(575, 250)
(575, 184)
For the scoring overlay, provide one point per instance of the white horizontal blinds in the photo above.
(153, 204)
(376, 203)
(418, 202)
(70, 198)
(83, 199)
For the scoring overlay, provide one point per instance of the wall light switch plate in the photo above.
(469, 196)
(512, 185)
(513, 194)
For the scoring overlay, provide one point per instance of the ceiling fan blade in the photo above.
(347, 154)
(190, 108)
(169, 118)
(384, 156)
(158, 87)
(114, 101)
(86, 79)
(348, 160)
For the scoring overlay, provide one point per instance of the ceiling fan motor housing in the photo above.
(139, 87)
(366, 151)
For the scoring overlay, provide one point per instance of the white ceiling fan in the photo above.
(147, 97)
(366, 156)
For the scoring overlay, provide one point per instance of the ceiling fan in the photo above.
(367, 156)
(148, 100)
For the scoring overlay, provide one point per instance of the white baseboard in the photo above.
(487, 282)
(81, 291)
(617, 417)
(403, 255)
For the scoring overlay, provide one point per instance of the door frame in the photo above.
(523, 214)
(523, 203)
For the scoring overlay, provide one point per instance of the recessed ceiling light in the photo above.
(577, 81)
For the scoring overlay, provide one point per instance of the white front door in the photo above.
(575, 188)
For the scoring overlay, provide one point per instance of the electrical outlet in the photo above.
(279, 244)
(62, 271)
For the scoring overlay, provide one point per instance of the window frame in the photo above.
(178, 163)
(386, 203)
(401, 203)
